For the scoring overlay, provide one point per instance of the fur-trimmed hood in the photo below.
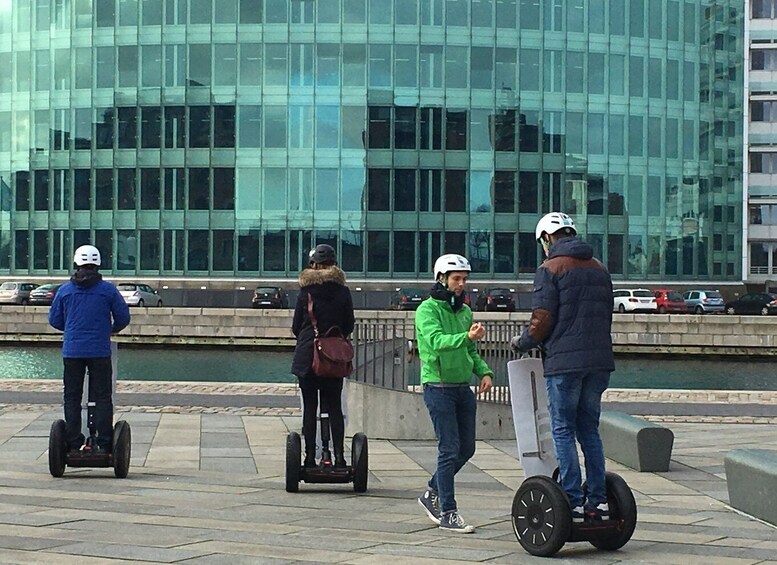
(309, 277)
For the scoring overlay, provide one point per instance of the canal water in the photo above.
(242, 365)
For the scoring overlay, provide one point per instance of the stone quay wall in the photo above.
(632, 333)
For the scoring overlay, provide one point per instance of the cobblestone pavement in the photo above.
(206, 487)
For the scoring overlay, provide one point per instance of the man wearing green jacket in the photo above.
(446, 344)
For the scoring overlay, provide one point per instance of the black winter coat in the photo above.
(332, 305)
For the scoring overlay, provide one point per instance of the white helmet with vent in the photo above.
(450, 262)
(553, 222)
(86, 255)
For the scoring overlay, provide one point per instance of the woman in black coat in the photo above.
(332, 306)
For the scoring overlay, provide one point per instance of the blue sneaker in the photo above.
(453, 522)
(430, 502)
(598, 513)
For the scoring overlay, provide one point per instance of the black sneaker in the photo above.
(578, 515)
(430, 502)
(598, 513)
(453, 522)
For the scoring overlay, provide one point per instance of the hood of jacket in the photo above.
(310, 277)
(571, 247)
(86, 278)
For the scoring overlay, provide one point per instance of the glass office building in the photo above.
(224, 138)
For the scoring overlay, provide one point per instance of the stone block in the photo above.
(635, 442)
(751, 478)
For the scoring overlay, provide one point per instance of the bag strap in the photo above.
(312, 315)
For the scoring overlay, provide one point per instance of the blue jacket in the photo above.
(571, 311)
(88, 309)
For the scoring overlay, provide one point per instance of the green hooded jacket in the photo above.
(447, 354)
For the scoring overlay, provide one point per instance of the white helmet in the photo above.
(87, 255)
(450, 262)
(551, 223)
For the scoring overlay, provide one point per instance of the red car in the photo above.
(670, 302)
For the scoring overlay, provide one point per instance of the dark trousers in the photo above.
(100, 392)
(330, 391)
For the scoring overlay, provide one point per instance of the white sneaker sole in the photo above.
(467, 530)
(432, 517)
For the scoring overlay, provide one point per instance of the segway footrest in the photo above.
(87, 459)
(327, 474)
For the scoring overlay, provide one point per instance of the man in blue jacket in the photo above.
(88, 309)
(571, 319)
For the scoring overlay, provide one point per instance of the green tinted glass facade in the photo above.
(206, 138)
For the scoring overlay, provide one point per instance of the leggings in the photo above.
(330, 390)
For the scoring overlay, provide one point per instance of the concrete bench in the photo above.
(751, 477)
(635, 442)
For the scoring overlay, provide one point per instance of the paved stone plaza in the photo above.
(206, 486)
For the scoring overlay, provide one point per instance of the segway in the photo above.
(87, 456)
(541, 516)
(325, 471)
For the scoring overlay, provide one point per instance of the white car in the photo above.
(136, 294)
(633, 300)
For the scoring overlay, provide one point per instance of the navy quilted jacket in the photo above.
(571, 311)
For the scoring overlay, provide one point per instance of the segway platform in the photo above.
(541, 516)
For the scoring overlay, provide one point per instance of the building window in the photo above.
(455, 191)
(404, 190)
(128, 127)
(199, 126)
(380, 127)
(126, 189)
(199, 188)
(150, 189)
(223, 126)
(378, 190)
(151, 128)
(103, 189)
(149, 250)
(456, 129)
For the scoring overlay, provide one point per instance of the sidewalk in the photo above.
(208, 488)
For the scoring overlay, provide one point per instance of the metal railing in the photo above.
(386, 355)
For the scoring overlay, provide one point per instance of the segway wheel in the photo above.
(623, 509)
(542, 519)
(359, 459)
(57, 449)
(293, 461)
(122, 449)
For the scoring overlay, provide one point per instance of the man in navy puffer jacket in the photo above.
(571, 319)
(88, 309)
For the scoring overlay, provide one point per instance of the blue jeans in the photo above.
(453, 415)
(575, 405)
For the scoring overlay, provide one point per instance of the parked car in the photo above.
(44, 294)
(670, 302)
(136, 294)
(407, 298)
(16, 292)
(633, 300)
(270, 297)
(704, 301)
(496, 300)
(763, 303)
